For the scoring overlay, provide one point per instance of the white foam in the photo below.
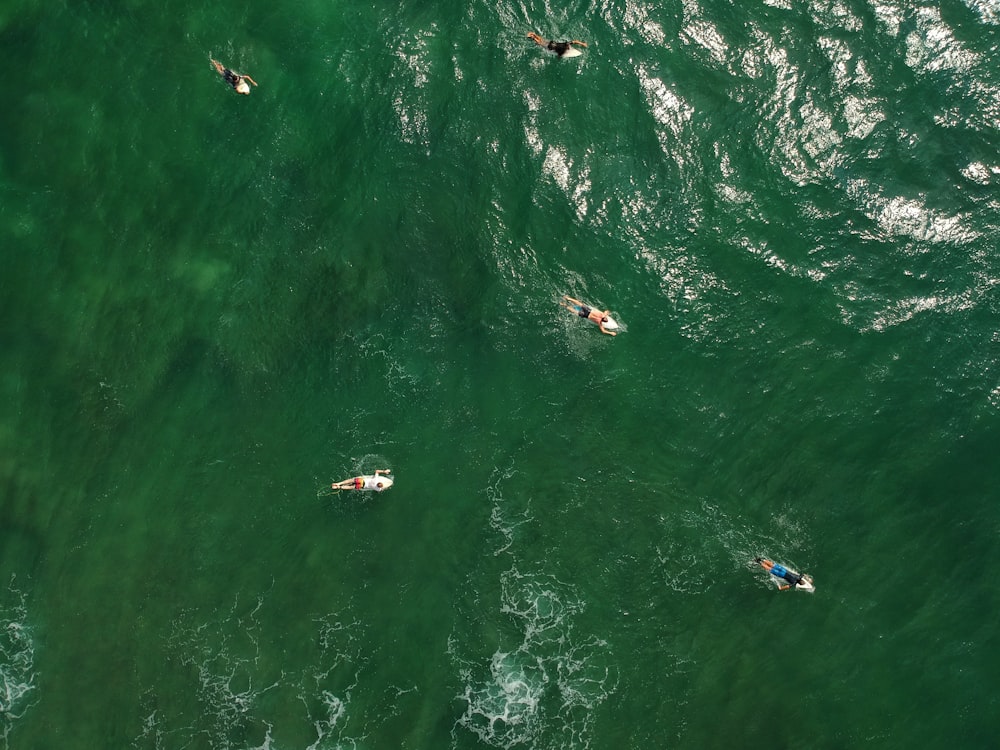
(17, 662)
(500, 515)
(233, 683)
(534, 692)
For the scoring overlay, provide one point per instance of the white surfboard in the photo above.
(370, 483)
(805, 584)
(572, 52)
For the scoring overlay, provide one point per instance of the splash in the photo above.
(540, 693)
(17, 663)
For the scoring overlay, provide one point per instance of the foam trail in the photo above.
(541, 692)
(239, 699)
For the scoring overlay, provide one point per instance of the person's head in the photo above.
(379, 485)
(242, 87)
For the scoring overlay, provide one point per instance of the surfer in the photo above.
(792, 579)
(237, 81)
(560, 48)
(375, 482)
(604, 321)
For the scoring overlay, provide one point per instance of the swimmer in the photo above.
(604, 321)
(792, 579)
(373, 482)
(560, 48)
(237, 81)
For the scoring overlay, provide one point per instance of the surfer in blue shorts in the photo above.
(790, 577)
(560, 48)
(237, 81)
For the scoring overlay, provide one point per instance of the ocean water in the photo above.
(213, 306)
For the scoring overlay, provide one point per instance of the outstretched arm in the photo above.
(600, 324)
(578, 42)
(251, 80)
(382, 471)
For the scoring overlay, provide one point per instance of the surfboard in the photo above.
(370, 481)
(806, 585)
(386, 483)
(572, 52)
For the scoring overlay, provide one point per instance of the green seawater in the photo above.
(213, 306)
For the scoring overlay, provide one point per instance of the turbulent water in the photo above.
(213, 306)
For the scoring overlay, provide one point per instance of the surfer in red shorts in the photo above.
(375, 482)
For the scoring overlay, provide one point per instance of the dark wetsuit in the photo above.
(231, 78)
(560, 49)
(583, 311)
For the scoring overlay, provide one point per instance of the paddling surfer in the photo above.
(237, 81)
(374, 482)
(604, 321)
(560, 48)
(790, 577)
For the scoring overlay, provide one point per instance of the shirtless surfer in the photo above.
(604, 321)
(560, 48)
(792, 580)
(373, 482)
(237, 81)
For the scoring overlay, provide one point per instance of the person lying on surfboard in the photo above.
(373, 482)
(237, 81)
(792, 580)
(560, 48)
(604, 321)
